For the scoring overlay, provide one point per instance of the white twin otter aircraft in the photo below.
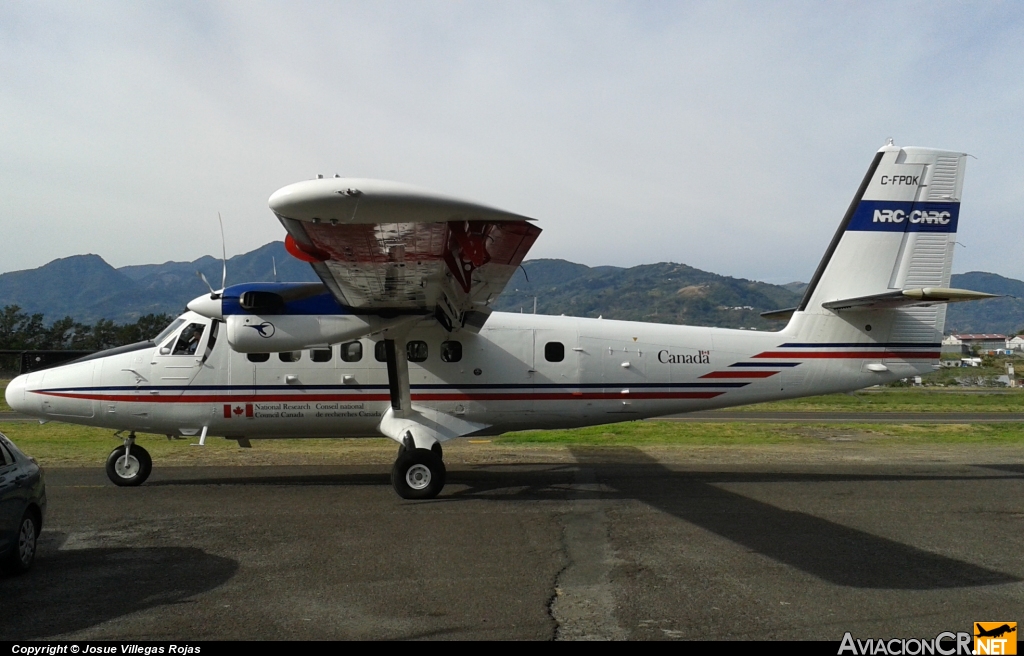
(399, 339)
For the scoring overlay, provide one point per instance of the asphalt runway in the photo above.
(613, 545)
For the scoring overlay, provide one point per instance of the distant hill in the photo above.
(662, 293)
(1000, 315)
(86, 288)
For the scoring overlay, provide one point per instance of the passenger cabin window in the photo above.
(554, 351)
(188, 340)
(290, 356)
(451, 351)
(352, 351)
(416, 351)
(257, 357)
(321, 355)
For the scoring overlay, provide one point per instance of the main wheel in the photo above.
(130, 471)
(418, 474)
(24, 551)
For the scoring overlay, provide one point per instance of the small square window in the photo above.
(352, 351)
(380, 351)
(321, 355)
(257, 357)
(451, 351)
(416, 351)
(554, 351)
(290, 356)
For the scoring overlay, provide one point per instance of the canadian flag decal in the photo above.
(237, 410)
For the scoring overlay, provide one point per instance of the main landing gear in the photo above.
(129, 464)
(418, 473)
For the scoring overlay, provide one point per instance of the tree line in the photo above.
(20, 330)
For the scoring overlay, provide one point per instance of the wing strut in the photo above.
(398, 376)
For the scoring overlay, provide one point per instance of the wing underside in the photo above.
(383, 252)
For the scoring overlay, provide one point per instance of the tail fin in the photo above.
(896, 240)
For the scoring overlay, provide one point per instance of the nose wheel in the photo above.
(418, 474)
(129, 465)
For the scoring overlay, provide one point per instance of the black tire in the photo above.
(436, 449)
(418, 474)
(23, 551)
(138, 469)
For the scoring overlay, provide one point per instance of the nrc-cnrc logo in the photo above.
(932, 217)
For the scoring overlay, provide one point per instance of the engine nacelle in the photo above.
(250, 333)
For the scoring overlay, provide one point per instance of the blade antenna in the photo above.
(223, 255)
(274, 261)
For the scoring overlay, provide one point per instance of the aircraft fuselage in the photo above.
(521, 371)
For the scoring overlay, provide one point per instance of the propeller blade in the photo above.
(223, 254)
(214, 295)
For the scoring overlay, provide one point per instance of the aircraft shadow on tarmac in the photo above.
(832, 552)
(77, 589)
(835, 553)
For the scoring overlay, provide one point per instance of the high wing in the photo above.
(387, 248)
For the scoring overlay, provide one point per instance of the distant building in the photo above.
(1015, 343)
(984, 342)
(953, 346)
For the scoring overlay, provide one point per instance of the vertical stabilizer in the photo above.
(899, 233)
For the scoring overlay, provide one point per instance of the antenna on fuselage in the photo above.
(274, 262)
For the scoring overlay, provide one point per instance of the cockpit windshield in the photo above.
(168, 330)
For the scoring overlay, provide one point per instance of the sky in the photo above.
(726, 136)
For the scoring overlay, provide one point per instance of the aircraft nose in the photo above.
(207, 306)
(15, 394)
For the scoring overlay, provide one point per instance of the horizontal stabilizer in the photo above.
(908, 298)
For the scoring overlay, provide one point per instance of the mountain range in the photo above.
(87, 288)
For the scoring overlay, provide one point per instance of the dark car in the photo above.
(22, 507)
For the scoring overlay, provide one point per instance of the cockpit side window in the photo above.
(188, 340)
(174, 325)
(214, 331)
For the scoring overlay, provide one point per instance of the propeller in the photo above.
(215, 295)
(223, 255)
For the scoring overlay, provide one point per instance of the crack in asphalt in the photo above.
(583, 605)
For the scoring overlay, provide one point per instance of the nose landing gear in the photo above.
(129, 464)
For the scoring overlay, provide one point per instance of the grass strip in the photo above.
(57, 444)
